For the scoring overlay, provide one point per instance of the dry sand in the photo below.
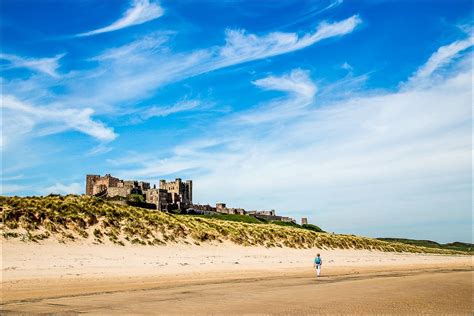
(225, 278)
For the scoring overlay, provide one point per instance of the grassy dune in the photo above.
(432, 244)
(71, 218)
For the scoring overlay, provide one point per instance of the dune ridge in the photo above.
(72, 218)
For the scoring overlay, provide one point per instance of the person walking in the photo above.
(318, 262)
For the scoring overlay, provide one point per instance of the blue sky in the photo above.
(355, 114)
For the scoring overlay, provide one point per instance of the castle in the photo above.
(173, 195)
(170, 195)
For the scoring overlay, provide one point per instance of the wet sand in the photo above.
(428, 291)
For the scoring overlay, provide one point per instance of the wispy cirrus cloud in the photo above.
(24, 119)
(241, 46)
(300, 89)
(141, 11)
(442, 57)
(152, 65)
(48, 65)
(160, 111)
(149, 43)
(315, 10)
(297, 82)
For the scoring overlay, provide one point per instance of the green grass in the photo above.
(313, 228)
(71, 218)
(459, 246)
(136, 198)
(288, 224)
(254, 220)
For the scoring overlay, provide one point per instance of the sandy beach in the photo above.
(226, 278)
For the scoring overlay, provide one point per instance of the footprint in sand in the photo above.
(10, 268)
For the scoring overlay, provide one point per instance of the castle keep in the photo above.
(169, 196)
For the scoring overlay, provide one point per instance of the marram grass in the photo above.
(71, 218)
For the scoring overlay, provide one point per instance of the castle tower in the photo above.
(189, 185)
(162, 184)
(90, 180)
(304, 221)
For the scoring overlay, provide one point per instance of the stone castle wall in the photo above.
(119, 191)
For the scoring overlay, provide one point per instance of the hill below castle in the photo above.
(83, 218)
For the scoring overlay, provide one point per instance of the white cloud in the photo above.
(60, 188)
(99, 150)
(297, 82)
(21, 118)
(152, 65)
(48, 66)
(160, 111)
(6, 189)
(344, 88)
(442, 57)
(149, 43)
(382, 159)
(11, 178)
(140, 12)
(328, 30)
(241, 47)
(347, 66)
(314, 11)
(301, 93)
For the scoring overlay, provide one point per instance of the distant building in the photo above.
(304, 221)
(266, 213)
(222, 208)
(270, 216)
(262, 213)
(206, 208)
